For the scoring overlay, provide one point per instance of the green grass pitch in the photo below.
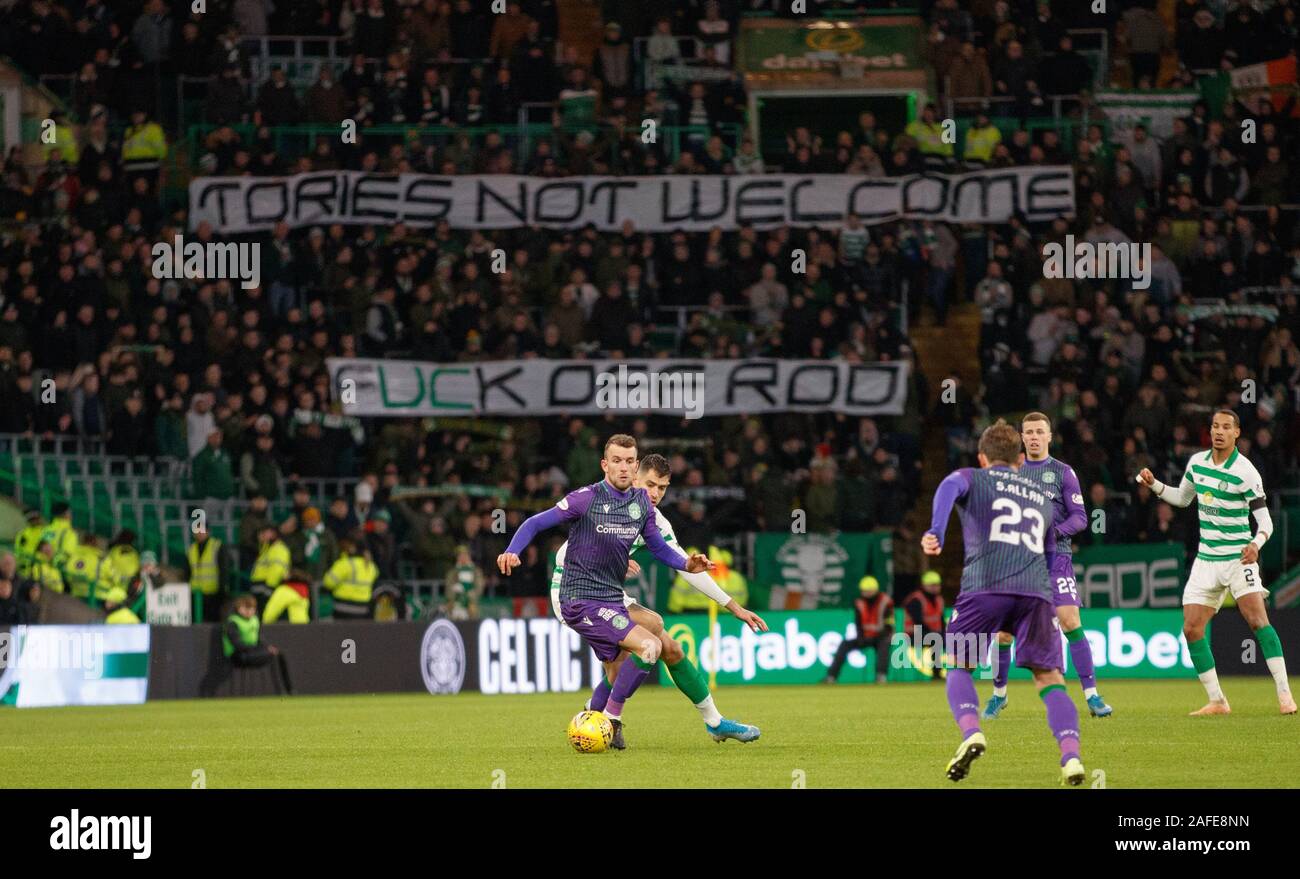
(898, 735)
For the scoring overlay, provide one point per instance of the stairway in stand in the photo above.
(951, 350)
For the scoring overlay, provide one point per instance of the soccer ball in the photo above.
(590, 732)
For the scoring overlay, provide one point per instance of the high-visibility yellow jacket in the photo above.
(929, 138)
(126, 562)
(62, 537)
(981, 142)
(205, 575)
(25, 545)
(65, 141)
(144, 143)
(44, 573)
(272, 564)
(89, 565)
(352, 578)
(685, 598)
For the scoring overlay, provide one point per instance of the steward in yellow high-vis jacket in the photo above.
(272, 565)
(89, 567)
(117, 603)
(241, 640)
(28, 540)
(43, 571)
(982, 139)
(208, 569)
(293, 596)
(124, 555)
(144, 146)
(351, 580)
(60, 534)
(928, 134)
(65, 140)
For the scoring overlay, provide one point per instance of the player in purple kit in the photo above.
(1004, 519)
(605, 520)
(1061, 485)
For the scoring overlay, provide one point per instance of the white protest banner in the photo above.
(550, 387)
(652, 204)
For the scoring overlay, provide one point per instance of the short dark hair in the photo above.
(1236, 422)
(1037, 416)
(656, 462)
(622, 440)
(1000, 442)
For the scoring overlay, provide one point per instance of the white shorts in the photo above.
(1210, 581)
(555, 602)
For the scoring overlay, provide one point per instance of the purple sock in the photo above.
(1003, 669)
(1063, 719)
(1081, 656)
(630, 676)
(600, 695)
(964, 701)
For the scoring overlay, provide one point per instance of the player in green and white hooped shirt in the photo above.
(1230, 493)
(653, 474)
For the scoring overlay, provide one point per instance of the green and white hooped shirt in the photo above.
(1224, 493)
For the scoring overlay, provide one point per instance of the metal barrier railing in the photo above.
(304, 52)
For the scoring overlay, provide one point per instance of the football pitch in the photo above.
(898, 735)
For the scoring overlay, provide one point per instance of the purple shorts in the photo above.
(979, 616)
(602, 624)
(1060, 572)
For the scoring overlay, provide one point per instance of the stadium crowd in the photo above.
(233, 381)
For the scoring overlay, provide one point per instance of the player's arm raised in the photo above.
(954, 486)
(572, 506)
(1179, 497)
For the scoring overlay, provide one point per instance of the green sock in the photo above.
(1074, 635)
(1269, 642)
(641, 663)
(688, 679)
(1202, 656)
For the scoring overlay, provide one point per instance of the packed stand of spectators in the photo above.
(233, 380)
(1132, 375)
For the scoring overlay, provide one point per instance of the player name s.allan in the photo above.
(1021, 491)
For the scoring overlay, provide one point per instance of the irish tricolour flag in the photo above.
(1271, 75)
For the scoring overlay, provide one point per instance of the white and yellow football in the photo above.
(590, 732)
